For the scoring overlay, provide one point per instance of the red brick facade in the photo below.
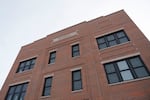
(91, 62)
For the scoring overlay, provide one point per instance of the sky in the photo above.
(24, 21)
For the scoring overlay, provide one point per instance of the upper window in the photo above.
(76, 80)
(26, 65)
(17, 92)
(52, 57)
(47, 86)
(75, 50)
(112, 39)
(126, 69)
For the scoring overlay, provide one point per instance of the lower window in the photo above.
(17, 92)
(126, 69)
(47, 86)
(76, 80)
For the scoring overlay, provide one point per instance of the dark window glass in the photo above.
(76, 80)
(52, 57)
(47, 86)
(11, 90)
(111, 43)
(120, 34)
(136, 62)
(75, 50)
(112, 39)
(26, 65)
(113, 78)
(126, 69)
(141, 72)
(9, 97)
(22, 96)
(18, 88)
(17, 92)
(110, 68)
(101, 40)
(104, 45)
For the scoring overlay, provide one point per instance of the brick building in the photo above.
(107, 58)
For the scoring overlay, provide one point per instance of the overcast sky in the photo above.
(24, 21)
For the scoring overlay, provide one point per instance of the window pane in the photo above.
(11, 90)
(25, 65)
(122, 40)
(76, 75)
(16, 91)
(22, 64)
(31, 66)
(28, 62)
(101, 46)
(76, 54)
(141, 72)
(33, 61)
(126, 75)
(16, 97)
(127, 69)
(48, 82)
(52, 57)
(21, 69)
(100, 40)
(9, 97)
(122, 65)
(52, 54)
(111, 43)
(120, 34)
(47, 86)
(136, 62)
(110, 37)
(22, 96)
(46, 91)
(77, 85)
(109, 68)
(18, 88)
(76, 48)
(113, 78)
(52, 60)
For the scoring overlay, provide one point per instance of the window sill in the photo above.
(76, 57)
(114, 46)
(134, 80)
(75, 91)
(43, 97)
(25, 71)
(51, 63)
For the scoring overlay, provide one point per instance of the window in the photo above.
(17, 92)
(52, 57)
(76, 80)
(26, 65)
(126, 69)
(75, 50)
(47, 86)
(112, 39)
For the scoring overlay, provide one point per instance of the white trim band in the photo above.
(49, 75)
(119, 58)
(28, 58)
(74, 69)
(19, 83)
(119, 29)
